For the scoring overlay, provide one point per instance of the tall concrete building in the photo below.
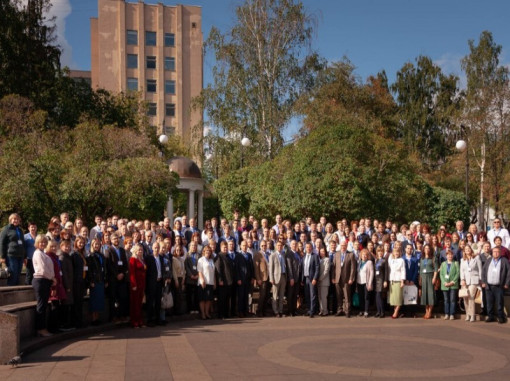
(157, 50)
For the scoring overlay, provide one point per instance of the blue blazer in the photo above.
(412, 268)
(314, 268)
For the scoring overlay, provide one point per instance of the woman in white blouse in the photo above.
(365, 281)
(396, 277)
(470, 278)
(206, 282)
(44, 278)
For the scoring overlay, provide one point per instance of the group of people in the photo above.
(304, 268)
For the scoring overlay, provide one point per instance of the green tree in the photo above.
(486, 118)
(427, 101)
(263, 63)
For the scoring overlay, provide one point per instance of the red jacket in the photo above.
(137, 271)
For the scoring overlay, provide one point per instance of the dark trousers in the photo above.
(176, 291)
(191, 297)
(292, 295)
(310, 296)
(224, 300)
(118, 300)
(242, 298)
(233, 299)
(379, 301)
(495, 301)
(78, 293)
(263, 294)
(364, 297)
(153, 301)
(15, 265)
(332, 302)
(30, 272)
(54, 316)
(42, 294)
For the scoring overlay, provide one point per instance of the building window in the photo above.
(170, 109)
(151, 62)
(132, 84)
(169, 86)
(169, 39)
(170, 63)
(151, 86)
(132, 37)
(150, 38)
(169, 130)
(132, 61)
(152, 109)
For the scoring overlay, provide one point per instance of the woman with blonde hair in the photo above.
(365, 281)
(396, 277)
(44, 278)
(470, 278)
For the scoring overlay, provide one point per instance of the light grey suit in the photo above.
(278, 279)
(471, 273)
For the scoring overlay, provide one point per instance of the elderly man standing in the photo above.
(261, 264)
(498, 231)
(495, 280)
(278, 278)
(345, 275)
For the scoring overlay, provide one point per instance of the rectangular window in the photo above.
(169, 39)
(132, 37)
(170, 63)
(169, 86)
(151, 62)
(132, 61)
(150, 38)
(152, 109)
(151, 86)
(170, 109)
(132, 84)
(169, 130)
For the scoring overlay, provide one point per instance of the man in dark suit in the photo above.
(118, 281)
(293, 261)
(495, 280)
(345, 276)
(225, 277)
(260, 264)
(154, 281)
(192, 229)
(310, 276)
(244, 277)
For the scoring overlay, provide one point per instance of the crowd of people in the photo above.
(307, 267)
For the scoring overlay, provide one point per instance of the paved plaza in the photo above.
(297, 348)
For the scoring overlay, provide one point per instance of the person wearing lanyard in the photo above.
(137, 274)
(495, 280)
(310, 275)
(44, 278)
(470, 277)
(118, 287)
(225, 276)
(191, 281)
(97, 276)
(58, 293)
(207, 282)
(449, 274)
(396, 277)
(260, 264)
(278, 278)
(292, 262)
(412, 268)
(365, 280)
(428, 275)
(154, 286)
(344, 276)
(12, 249)
(380, 280)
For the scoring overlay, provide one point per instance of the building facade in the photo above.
(154, 49)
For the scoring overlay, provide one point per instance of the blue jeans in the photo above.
(15, 265)
(495, 301)
(450, 299)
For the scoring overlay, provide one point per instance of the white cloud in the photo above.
(60, 9)
(450, 64)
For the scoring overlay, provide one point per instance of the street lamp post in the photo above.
(245, 142)
(462, 146)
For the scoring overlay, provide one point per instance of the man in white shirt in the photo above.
(498, 231)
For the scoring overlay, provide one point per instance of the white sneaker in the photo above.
(472, 319)
(452, 317)
(467, 317)
(446, 317)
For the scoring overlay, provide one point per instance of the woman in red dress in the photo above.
(137, 269)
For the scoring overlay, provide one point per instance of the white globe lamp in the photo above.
(245, 142)
(163, 139)
(461, 145)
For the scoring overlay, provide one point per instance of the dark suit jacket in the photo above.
(412, 269)
(113, 267)
(244, 271)
(191, 269)
(313, 271)
(224, 269)
(151, 275)
(504, 272)
(293, 267)
(188, 233)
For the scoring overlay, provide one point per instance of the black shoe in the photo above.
(489, 319)
(377, 315)
(339, 313)
(348, 316)
(311, 316)
(151, 324)
(162, 322)
(501, 320)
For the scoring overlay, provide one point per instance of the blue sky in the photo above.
(373, 34)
